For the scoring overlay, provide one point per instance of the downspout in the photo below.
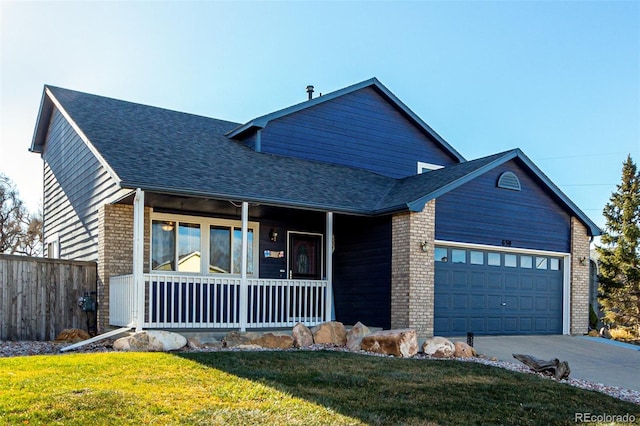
(329, 250)
(243, 268)
(138, 258)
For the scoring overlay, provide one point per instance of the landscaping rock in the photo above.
(151, 341)
(439, 347)
(235, 338)
(355, 335)
(332, 332)
(72, 335)
(274, 341)
(302, 336)
(463, 350)
(400, 343)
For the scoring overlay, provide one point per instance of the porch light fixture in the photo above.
(425, 246)
(167, 226)
(273, 234)
(583, 260)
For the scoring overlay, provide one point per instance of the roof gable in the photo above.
(373, 83)
(416, 191)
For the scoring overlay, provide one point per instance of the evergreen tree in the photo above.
(619, 291)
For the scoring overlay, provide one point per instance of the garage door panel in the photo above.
(511, 282)
(511, 325)
(494, 280)
(477, 302)
(526, 324)
(494, 325)
(477, 279)
(524, 297)
(526, 303)
(526, 282)
(460, 301)
(460, 279)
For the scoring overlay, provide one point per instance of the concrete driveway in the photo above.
(590, 358)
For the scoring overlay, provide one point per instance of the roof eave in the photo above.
(42, 123)
(251, 199)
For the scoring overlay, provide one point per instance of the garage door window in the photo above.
(526, 262)
(458, 256)
(493, 259)
(476, 258)
(541, 263)
(554, 264)
(511, 260)
(441, 254)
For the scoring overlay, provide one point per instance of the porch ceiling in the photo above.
(206, 207)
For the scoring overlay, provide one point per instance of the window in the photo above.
(554, 264)
(476, 258)
(200, 245)
(427, 167)
(510, 260)
(526, 262)
(53, 246)
(541, 263)
(441, 254)
(458, 256)
(493, 259)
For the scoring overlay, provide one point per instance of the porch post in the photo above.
(329, 250)
(243, 268)
(138, 258)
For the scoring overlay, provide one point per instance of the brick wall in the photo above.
(115, 251)
(412, 270)
(579, 278)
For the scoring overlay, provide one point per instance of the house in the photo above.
(347, 206)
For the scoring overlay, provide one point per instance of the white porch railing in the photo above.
(189, 301)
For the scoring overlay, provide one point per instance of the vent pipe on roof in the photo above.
(310, 91)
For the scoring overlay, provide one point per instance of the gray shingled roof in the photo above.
(171, 152)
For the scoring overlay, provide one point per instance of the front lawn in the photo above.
(297, 387)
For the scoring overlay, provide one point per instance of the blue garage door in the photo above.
(492, 292)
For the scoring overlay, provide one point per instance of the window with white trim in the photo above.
(427, 167)
(201, 245)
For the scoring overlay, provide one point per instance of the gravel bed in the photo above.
(9, 349)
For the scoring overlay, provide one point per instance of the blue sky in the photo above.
(558, 79)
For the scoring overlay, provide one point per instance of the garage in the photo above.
(497, 292)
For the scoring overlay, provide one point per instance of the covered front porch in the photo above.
(257, 280)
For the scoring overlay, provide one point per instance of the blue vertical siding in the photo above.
(301, 221)
(75, 186)
(360, 129)
(479, 212)
(362, 270)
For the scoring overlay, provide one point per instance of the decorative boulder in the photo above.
(72, 335)
(274, 341)
(235, 338)
(302, 336)
(332, 332)
(438, 347)
(400, 343)
(463, 350)
(355, 335)
(151, 341)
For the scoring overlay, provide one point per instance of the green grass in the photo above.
(281, 388)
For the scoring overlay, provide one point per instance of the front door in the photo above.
(305, 256)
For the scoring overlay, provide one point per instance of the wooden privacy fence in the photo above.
(39, 296)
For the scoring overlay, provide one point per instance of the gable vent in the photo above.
(508, 180)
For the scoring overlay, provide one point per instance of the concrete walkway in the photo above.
(594, 359)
